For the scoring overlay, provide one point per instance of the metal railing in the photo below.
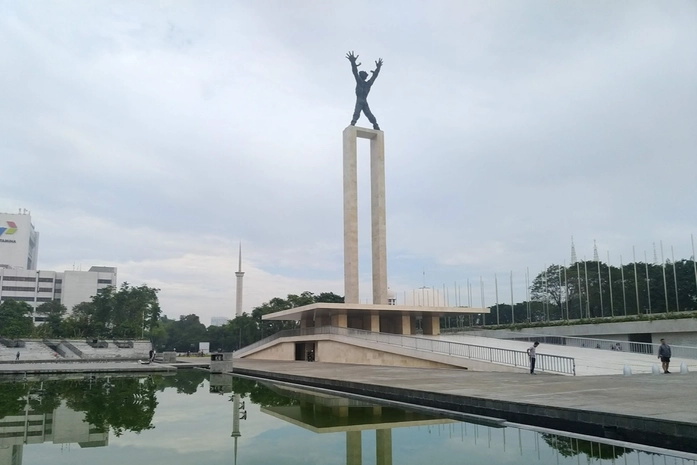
(517, 358)
(592, 343)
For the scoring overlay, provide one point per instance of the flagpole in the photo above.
(481, 290)
(609, 274)
(470, 298)
(624, 291)
(512, 303)
(600, 290)
(588, 295)
(636, 280)
(648, 281)
(665, 283)
(527, 291)
(694, 259)
(561, 309)
(469, 294)
(580, 299)
(496, 287)
(675, 280)
(566, 291)
(546, 302)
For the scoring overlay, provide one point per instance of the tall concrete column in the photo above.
(238, 293)
(383, 446)
(354, 448)
(378, 216)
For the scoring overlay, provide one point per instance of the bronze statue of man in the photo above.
(362, 90)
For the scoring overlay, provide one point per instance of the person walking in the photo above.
(532, 355)
(664, 354)
(17, 357)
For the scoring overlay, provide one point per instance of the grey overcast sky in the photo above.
(156, 135)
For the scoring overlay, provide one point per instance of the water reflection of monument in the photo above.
(62, 426)
(326, 413)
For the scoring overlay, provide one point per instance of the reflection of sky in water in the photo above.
(196, 429)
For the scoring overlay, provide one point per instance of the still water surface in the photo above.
(192, 418)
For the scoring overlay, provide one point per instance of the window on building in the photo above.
(104, 281)
(28, 279)
(45, 280)
(19, 299)
(45, 289)
(44, 299)
(18, 288)
(58, 280)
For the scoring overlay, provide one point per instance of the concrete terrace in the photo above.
(654, 410)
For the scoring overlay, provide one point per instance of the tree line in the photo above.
(583, 290)
(128, 312)
(183, 335)
(593, 289)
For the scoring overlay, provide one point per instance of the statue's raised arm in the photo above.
(354, 66)
(378, 65)
(363, 86)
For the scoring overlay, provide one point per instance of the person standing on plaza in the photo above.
(17, 357)
(532, 355)
(664, 354)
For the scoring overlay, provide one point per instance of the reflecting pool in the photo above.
(192, 417)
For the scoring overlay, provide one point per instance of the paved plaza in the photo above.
(653, 409)
(589, 361)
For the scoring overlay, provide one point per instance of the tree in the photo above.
(54, 312)
(15, 319)
(80, 321)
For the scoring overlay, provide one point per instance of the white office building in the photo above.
(62, 426)
(68, 287)
(19, 242)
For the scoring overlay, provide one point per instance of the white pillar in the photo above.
(238, 292)
(378, 216)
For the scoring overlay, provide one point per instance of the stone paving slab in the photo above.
(658, 410)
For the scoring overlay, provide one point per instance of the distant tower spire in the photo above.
(240, 276)
(236, 422)
(596, 258)
(574, 259)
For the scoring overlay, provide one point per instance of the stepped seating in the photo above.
(32, 351)
(89, 350)
(36, 350)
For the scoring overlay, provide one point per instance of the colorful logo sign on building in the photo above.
(10, 229)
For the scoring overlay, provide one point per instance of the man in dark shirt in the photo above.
(664, 354)
(362, 90)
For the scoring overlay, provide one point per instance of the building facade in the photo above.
(219, 320)
(69, 287)
(63, 426)
(19, 241)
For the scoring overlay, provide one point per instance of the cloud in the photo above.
(155, 137)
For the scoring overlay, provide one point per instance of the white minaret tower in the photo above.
(240, 276)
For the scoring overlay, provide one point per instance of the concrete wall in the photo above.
(337, 352)
(676, 332)
(281, 351)
(332, 348)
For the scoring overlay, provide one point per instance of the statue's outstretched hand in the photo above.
(378, 64)
(351, 57)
